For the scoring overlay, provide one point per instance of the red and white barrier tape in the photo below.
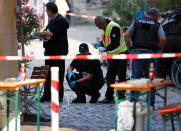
(86, 57)
(88, 17)
(78, 15)
(55, 98)
(83, 16)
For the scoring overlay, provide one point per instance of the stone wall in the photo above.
(89, 7)
(8, 46)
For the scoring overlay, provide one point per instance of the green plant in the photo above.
(126, 9)
(27, 22)
(164, 5)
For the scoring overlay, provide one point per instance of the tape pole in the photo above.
(55, 98)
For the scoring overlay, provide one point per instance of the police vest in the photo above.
(145, 34)
(107, 39)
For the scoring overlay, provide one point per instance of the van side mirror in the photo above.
(164, 15)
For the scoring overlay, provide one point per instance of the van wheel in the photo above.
(176, 72)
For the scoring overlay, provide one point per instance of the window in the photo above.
(172, 23)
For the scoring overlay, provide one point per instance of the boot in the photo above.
(95, 98)
(45, 99)
(107, 100)
(80, 99)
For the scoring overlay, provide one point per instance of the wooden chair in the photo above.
(40, 72)
(27, 91)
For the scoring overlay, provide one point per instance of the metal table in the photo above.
(14, 86)
(139, 87)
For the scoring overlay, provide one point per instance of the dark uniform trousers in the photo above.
(61, 65)
(89, 87)
(115, 68)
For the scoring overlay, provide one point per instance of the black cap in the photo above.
(83, 47)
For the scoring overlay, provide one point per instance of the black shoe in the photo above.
(78, 100)
(107, 100)
(122, 97)
(45, 99)
(94, 98)
(60, 99)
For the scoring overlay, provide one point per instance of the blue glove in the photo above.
(34, 35)
(70, 74)
(72, 84)
(101, 49)
(96, 45)
(45, 53)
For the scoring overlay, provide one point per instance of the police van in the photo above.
(172, 27)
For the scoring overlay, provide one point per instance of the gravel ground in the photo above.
(89, 117)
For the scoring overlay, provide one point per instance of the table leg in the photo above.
(148, 110)
(116, 110)
(179, 122)
(16, 110)
(134, 111)
(7, 111)
(164, 123)
(165, 98)
(38, 109)
(172, 122)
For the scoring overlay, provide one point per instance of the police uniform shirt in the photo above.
(114, 38)
(145, 34)
(160, 30)
(58, 43)
(85, 67)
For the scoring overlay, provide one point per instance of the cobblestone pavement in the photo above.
(89, 117)
(43, 128)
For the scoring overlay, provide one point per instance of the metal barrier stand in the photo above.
(147, 91)
(37, 100)
(15, 100)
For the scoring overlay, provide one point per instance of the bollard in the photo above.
(55, 98)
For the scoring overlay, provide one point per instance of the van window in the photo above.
(172, 23)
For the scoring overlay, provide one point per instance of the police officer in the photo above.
(114, 44)
(89, 78)
(145, 34)
(56, 44)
